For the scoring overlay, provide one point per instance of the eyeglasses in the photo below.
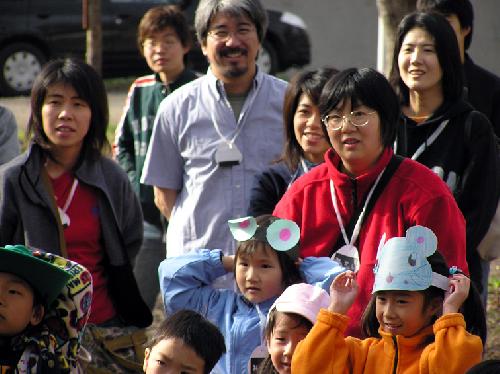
(221, 35)
(357, 118)
(164, 44)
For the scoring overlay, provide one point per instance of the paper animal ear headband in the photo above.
(402, 262)
(281, 234)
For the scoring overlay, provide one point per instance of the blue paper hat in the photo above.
(281, 234)
(402, 262)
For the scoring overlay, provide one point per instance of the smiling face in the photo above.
(17, 309)
(172, 356)
(258, 275)
(308, 131)
(65, 118)
(419, 64)
(164, 54)
(403, 312)
(232, 60)
(287, 333)
(358, 147)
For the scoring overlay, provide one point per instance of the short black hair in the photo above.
(196, 332)
(363, 86)
(89, 86)
(447, 51)
(461, 8)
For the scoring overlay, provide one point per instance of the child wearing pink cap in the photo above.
(289, 320)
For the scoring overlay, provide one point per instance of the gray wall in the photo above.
(344, 32)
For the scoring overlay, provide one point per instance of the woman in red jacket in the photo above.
(363, 191)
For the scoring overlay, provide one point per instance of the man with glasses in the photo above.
(163, 39)
(213, 135)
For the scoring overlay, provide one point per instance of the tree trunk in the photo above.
(390, 13)
(93, 54)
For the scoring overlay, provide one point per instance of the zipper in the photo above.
(395, 368)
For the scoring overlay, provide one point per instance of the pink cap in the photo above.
(302, 299)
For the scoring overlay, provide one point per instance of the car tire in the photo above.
(20, 63)
(268, 58)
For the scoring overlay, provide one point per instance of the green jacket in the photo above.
(133, 133)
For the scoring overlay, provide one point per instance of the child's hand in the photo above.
(456, 294)
(343, 292)
(228, 263)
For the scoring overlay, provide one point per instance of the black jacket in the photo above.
(483, 92)
(466, 160)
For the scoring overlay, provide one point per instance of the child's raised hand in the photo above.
(343, 292)
(456, 294)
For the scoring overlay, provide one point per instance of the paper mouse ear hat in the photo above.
(402, 262)
(281, 234)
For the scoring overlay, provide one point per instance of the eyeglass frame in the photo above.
(343, 118)
(231, 34)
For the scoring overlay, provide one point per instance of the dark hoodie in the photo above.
(466, 160)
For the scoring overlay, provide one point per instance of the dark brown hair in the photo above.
(158, 19)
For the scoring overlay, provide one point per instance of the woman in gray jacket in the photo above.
(64, 196)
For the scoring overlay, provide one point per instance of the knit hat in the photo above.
(302, 299)
(45, 278)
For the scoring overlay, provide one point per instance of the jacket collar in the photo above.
(403, 343)
(365, 180)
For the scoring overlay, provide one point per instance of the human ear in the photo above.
(465, 31)
(435, 306)
(37, 315)
(146, 357)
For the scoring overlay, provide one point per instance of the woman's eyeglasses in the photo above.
(357, 118)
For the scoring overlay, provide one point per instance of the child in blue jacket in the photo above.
(265, 264)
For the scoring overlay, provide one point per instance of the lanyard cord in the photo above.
(71, 195)
(357, 227)
(431, 139)
(241, 121)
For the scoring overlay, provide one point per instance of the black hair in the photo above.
(461, 8)
(89, 86)
(363, 86)
(472, 308)
(196, 332)
(311, 83)
(158, 19)
(448, 54)
(289, 269)
(485, 367)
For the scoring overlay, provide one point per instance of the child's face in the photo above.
(286, 334)
(171, 356)
(402, 312)
(16, 305)
(259, 276)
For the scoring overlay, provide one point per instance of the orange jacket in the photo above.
(326, 350)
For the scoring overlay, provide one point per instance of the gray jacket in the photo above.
(27, 217)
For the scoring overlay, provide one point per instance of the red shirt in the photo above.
(413, 196)
(83, 241)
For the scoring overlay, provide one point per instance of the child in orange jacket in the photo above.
(413, 321)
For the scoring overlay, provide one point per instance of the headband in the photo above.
(281, 234)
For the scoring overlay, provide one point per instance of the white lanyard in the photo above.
(429, 140)
(240, 124)
(70, 196)
(357, 227)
